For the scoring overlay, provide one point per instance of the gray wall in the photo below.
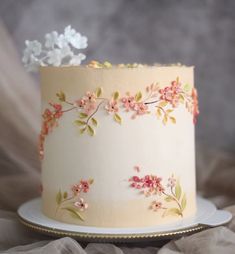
(200, 33)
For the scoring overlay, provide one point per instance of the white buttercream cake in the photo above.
(117, 144)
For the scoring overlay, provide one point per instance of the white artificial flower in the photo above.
(51, 39)
(26, 56)
(62, 41)
(59, 49)
(32, 47)
(74, 38)
(66, 52)
(54, 57)
(77, 59)
(78, 41)
(34, 63)
(69, 32)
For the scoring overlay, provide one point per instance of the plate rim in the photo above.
(57, 232)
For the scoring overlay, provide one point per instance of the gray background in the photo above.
(200, 33)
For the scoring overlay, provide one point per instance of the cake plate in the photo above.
(207, 216)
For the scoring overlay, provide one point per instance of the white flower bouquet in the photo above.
(58, 49)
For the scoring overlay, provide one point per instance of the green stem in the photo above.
(67, 110)
(88, 119)
(152, 102)
(163, 110)
(175, 199)
(62, 202)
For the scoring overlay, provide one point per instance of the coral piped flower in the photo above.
(176, 87)
(112, 106)
(81, 204)
(156, 205)
(166, 94)
(195, 105)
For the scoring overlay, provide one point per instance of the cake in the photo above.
(117, 144)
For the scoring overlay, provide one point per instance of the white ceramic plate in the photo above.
(207, 216)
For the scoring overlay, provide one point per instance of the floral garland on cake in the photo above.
(73, 203)
(165, 100)
(151, 185)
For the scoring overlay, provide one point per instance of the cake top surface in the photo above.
(109, 66)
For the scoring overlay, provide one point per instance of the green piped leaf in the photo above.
(168, 111)
(138, 96)
(173, 211)
(173, 120)
(74, 212)
(187, 88)
(98, 92)
(117, 118)
(94, 121)
(159, 113)
(90, 130)
(65, 195)
(82, 130)
(165, 119)
(83, 115)
(163, 103)
(181, 98)
(79, 122)
(116, 95)
(178, 190)
(183, 202)
(59, 197)
(169, 199)
(91, 181)
(61, 96)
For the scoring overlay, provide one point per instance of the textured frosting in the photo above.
(118, 149)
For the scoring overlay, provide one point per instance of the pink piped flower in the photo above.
(76, 189)
(128, 103)
(156, 205)
(176, 87)
(141, 108)
(136, 179)
(89, 107)
(81, 204)
(56, 106)
(84, 185)
(90, 97)
(80, 103)
(137, 169)
(171, 182)
(112, 106)
(166, 94)
(171, 93)
(87, 102)
(159, 189)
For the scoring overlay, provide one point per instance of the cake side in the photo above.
(135, 163)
